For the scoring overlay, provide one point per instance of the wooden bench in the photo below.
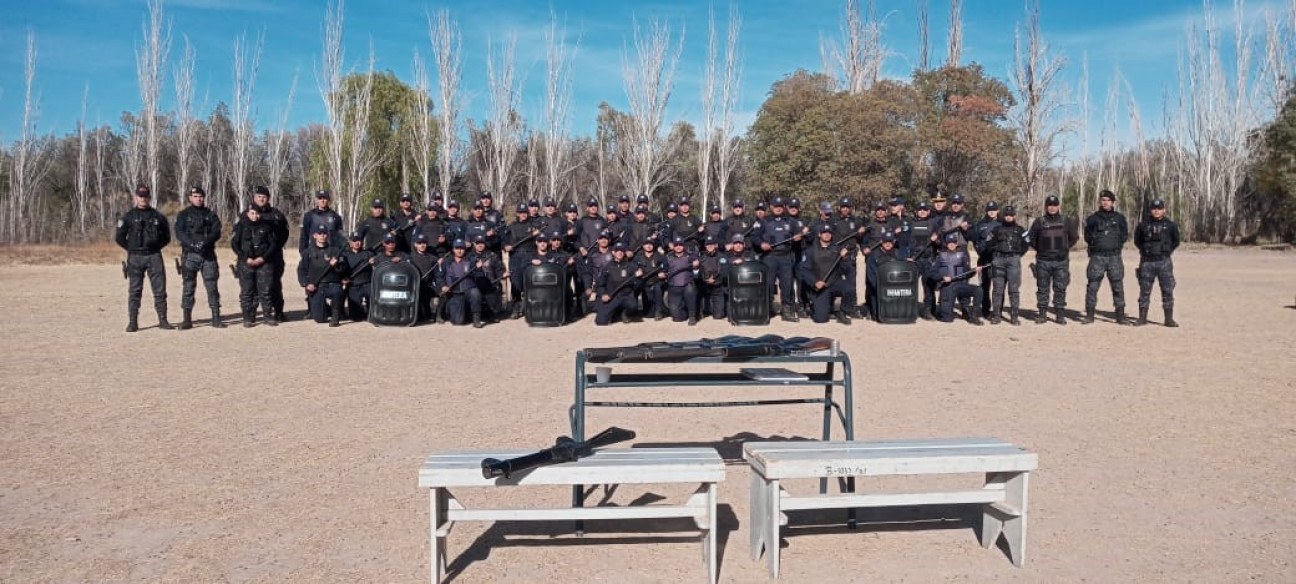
(445, 470)
(1003, 497)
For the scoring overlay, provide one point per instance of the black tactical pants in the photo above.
(822, 300)
(781, 270)
(650, 298)
(463, 305)
(254, 288)
(516, 268)
(1112, 268)
(137, 265)
(1055, 274)
(622, 303)
(357, 297)
(1007, 276)
(683, 302)
(987, 280)
(714, 295)
(959, 291)
(929, 285)
(276, 284)
(326, 298)
(193, 265)
(1156, 270)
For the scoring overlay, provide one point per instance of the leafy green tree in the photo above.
(1274, 176)
(964, 143)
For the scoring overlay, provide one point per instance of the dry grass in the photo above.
(103, 252)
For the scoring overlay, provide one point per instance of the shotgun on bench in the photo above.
(564, 450)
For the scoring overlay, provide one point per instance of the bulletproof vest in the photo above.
(329, 219)
(1156, 240)
(618, 273)
(454, 228)
(823, 259)
(143, 230)
(596, 261)
(202, 224)
(639, 232)
(1052, 235)
(258, 239)
(1107, 235)
(521, 230)
(685, 225)
(1008, 240)
(425, 262)
(590, 227)
(984, 230)
(493, 216)
(649, 264)
(458, 270)
(375, 229)
(950, 224)
(874, 230)
(679, 264)
(711, 266)
(920, 232)
(433, 229)
(714, 229)
(739, 225)
(318, 267)
(476, 227)
(952, 263)
(845, 228)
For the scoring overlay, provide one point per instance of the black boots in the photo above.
(1015, 321)
(1142, 319)
(335, 319)
(249, 318)
(1061, 318)
(842, 317)
(216, 319)
(789, 314)
(186, 323)
(996, 315)
(162, 322)
(1169, 318)
(1120, 316)
(1088, 317)
(477, 321)
(133, 325)
(1041, 316)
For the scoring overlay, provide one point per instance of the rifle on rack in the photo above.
(564, 450)
(732, 347)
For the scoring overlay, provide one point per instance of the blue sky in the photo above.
(92, 42)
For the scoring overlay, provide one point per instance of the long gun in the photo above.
(959, 278)
(729, 347)
(564, 450)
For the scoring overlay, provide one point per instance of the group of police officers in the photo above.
(626, 261)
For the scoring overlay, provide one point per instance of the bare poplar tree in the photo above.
(924, 37)
(648, 75)
(101, 134)
(955, 34)
(185, 132)
(858, 57)
(247, 62)
(446, 46)
(329, 82)
(423, 126)
(1279, 67)
(706, 137)
(82, 192)
(1041, 98)
(364, 157)
(558, 164)
(150, 67)
(498, 141)
(728, 143)
(30, 158)
(279, 145)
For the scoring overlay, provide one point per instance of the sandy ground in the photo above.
(291, 454)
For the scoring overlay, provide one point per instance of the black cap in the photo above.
(685, 201)
(825, 228)
(322, 194)
(406, 197)
(452, 203)
(591, 202)
(736, 203)
(897, 201)
(641, 209)
(845, 202)
(432, 207)
(605, 234)
(556, 235)
(478, 205)
(1010, 211)
(378, 203)
(260, 190)
(321, 229)
(760, 205)
(1107, 194)
(879, 206)
(992, 206)
(737, 238)
(533, 203)
(143, 191)
(437, 196)
(550, 203)
(522, 208)
(355, 236)
(710, 240)
(623, 199)
(714, 209)
(479, 239)
(677, 240)
(672, 207)
(486, 195)
(620, 245)
(570, 207)
(923, 206)
(825, 207)
(951, 238)
(778, 202)
(389, 238)
(1052, 200)
(1157, 204)
(420, 238)
(888, 236)
(641, 199)
(958, 198)
(197, 190)
(459, 243)
(795, 202)
(610, 208)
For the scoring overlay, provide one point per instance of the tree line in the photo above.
(1226, 162)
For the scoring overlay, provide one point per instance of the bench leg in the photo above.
(437, 510)
(1007, 518)
(710, 541)
(773, 514)
(756, 514)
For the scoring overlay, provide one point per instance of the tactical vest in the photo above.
(1052, 235)
(1156, 242)
(201, 224)
(951, 263)
(1107, 235)
(329, 219)
(143, 230)
(258, 240)
(1008, 240)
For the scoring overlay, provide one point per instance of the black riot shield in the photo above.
(749, 294)
(545, 294)
(897, 292)
(394, 291)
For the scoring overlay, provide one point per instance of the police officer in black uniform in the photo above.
(687, 226)
(681, 288)
(377, 226)
(255, 242)
(1052, 237)
(1007, 244)
(778, 233)
(143, 231)
(320, 272)
(488, 277)
(279, 221)
(493, 215)
(980, 236)
(199, 228)
(322, 214)
(427, 262)
(1105, 233)
(711, 277)
(739, 223)
(924, 231)
(616, 287)
(825, 275)
(519, 241)
(360, 263)
(715, 227)
(651, 292)
(405, 218)
(433, 228)
(1156, 237)
(459, 291)
(951, 263)
(887, 250)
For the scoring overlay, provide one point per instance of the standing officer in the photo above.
(198, 229)
(923, 235)
(278, 221)
(739, 223)
(405, 218)
(255, 241)
(320, 272)
(981, 234)
(825, 275)
(687, 226)
(778, 233)
(360, 263)
(1105, 232)
(493, 215)
(143, 232)
(1052, 236)
(615, 287)
(519, 242)
(1156, 239)
(322, 214)
(1007, 244)
(377, 226)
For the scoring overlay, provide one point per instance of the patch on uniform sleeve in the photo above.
(120, 223)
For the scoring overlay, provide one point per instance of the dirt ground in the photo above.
(291, 453)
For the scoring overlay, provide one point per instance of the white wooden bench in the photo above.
(1003, 497)
(445, 470)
